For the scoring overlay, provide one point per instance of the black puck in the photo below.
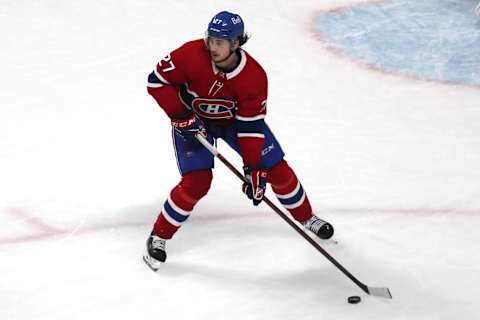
(354, 299)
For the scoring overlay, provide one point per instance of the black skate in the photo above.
(155, 254)
(322, 229)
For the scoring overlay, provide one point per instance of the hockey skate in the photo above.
(155, 254)
(321, 228)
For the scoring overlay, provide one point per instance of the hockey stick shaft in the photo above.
(382, 292)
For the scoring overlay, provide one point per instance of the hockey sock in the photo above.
(289, 191)
(181, 201)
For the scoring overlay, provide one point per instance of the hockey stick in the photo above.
(374, 291)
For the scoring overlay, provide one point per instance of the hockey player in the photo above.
(215, 87)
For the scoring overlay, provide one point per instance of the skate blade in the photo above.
(330, 241)
(152, 263)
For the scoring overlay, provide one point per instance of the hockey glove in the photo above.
(257, 183)
(188, 127)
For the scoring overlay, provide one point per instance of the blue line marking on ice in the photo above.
(426, 39)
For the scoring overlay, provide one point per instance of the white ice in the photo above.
(86, 163)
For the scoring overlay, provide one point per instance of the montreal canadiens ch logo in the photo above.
(213, 108)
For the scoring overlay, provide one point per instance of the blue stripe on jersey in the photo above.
(177, 216)
(152, 78)
(186, 96)
(293, 199)
(250, 126)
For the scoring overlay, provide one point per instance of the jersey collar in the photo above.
(235, 72)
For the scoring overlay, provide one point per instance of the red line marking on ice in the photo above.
(45, 231)
(408, 211)
(33, 221)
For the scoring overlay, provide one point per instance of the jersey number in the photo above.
(170, 65)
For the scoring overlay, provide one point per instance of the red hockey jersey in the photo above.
(187, 80)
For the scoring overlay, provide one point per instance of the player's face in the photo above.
(219, 48)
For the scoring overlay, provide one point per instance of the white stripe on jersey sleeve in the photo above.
(159, 76)
(154, 85)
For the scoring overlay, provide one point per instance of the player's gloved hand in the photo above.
(188, 127)
(257, 183)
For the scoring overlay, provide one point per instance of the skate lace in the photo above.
(314, 224)
(158, 243)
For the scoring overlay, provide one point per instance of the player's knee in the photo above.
(281, 174)
(197, 183)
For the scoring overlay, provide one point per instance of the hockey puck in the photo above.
(354, 299)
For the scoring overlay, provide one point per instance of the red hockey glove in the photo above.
(257, 183)
(188, 127)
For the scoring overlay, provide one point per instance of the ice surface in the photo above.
(429, 39)
(86, 163)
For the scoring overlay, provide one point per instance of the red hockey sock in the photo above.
(176, 209)
(289, 191)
